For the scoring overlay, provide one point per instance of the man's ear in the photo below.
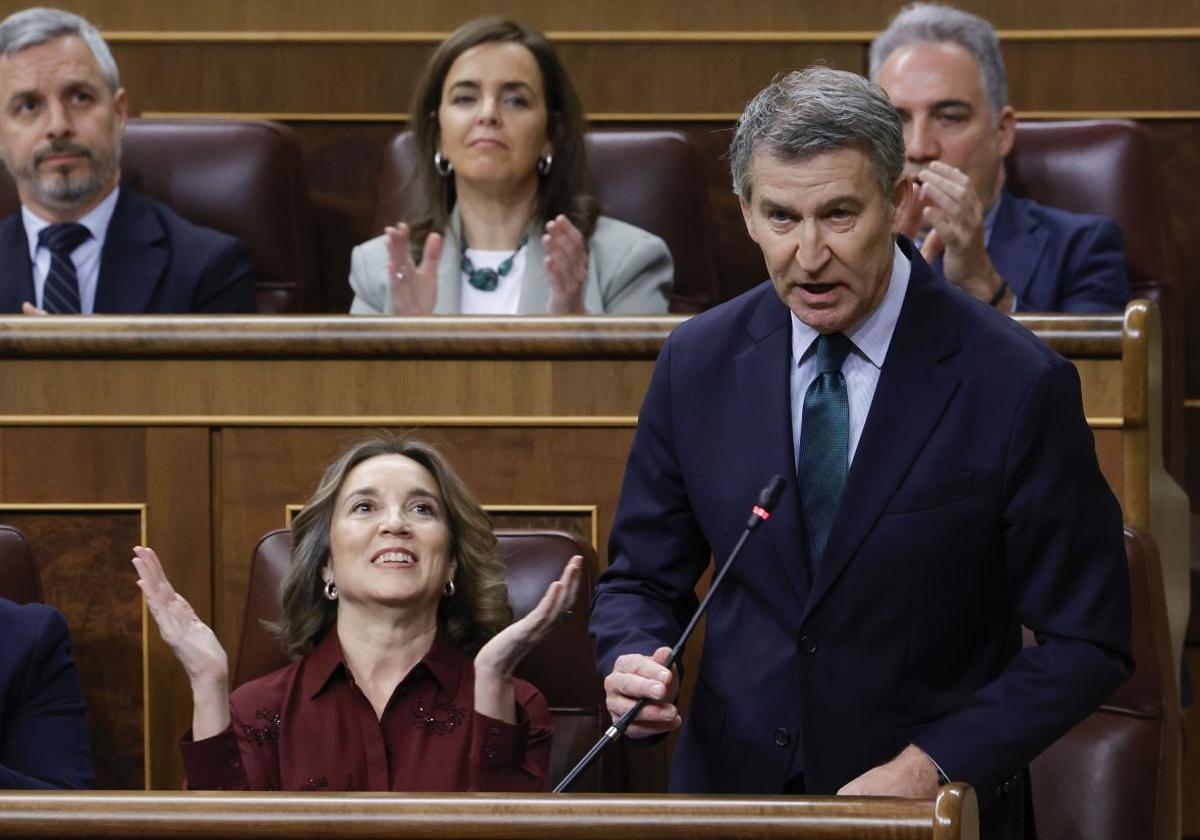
(747, 217)
(1006, 130)
(903, 200)
(121, 107)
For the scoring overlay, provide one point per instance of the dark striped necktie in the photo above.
(824, 444)
(60, 296)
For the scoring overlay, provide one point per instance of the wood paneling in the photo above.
(1103, 75)
(378, 79)
(615, 15)
(660, 81)
(83, 561)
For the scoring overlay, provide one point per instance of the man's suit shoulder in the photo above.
(737, 318)
(996, 351)
(185, 236)
(1059, 220)
(28, 626)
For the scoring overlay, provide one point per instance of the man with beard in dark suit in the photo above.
(83, 243)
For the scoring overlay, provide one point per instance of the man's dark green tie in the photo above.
(824, 444)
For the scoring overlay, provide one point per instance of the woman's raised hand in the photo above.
(566, 266)
(414, 287)
(496, 660)
(191, 640)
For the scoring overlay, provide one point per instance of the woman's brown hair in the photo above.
(564, 189)
(479, 607)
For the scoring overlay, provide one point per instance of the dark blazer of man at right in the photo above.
(941, 491)
(943, 70)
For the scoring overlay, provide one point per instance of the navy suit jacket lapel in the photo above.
(912, 393)
(1016, 244)
(764, 405)
(134, 259)
(16, 271)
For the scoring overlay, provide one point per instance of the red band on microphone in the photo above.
(761, 514)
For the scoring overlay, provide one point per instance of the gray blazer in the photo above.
(629, 273)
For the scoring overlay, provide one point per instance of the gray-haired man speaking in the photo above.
(941, 491)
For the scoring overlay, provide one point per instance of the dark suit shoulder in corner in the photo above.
(43, 726)
(16, 271)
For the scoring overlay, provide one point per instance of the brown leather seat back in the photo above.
(245, 178)
(651, 179)
(1107, 168)
(1110, 168)
(1117, 774)
(19, 579)
(562, 666)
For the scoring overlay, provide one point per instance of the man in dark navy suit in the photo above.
(942, 490)
(82, 243)
(43, 728)
(943, 70)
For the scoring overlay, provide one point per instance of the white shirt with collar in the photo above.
(86, 257)
(871, 338)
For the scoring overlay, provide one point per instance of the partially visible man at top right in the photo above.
(942, 69)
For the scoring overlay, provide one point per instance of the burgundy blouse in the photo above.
(309, 727)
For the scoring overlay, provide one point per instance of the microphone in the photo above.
(768, 497)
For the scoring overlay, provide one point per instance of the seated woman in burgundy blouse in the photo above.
(394, 585)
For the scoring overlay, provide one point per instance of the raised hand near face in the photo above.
(414, 287)
(566, 266)
(953, 214)
(496, 660)
(191, 640)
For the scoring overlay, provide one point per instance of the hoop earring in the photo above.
(448, 589)
(331, 590)
(544, 163)
(442, 166)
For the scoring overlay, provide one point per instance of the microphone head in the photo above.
(768, 497)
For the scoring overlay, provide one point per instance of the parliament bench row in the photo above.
(1116, 774)
(248, 179)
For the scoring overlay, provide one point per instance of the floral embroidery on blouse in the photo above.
(443, 719)
(268, 734)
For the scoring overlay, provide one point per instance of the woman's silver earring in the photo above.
(544, 163)
(331, 590)
(442, 166)
(448, 591)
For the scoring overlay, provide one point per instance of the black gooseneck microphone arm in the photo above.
(768, 497)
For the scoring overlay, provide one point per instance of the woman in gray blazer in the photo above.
(502, 222)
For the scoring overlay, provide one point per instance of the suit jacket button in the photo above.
(808, 644)
(782, 738)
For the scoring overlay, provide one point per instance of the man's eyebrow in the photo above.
(769, 206)
(27, 93)
(951, 103)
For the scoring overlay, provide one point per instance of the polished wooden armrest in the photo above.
(100, 814)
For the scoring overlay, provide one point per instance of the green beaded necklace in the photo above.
(487, 279)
